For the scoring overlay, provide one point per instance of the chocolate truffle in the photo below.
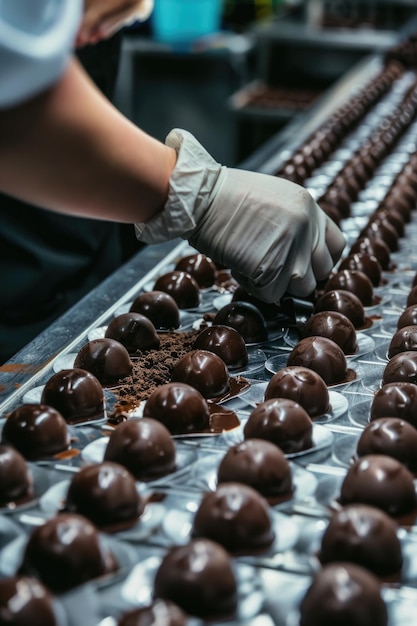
(268, 309)
(24, 601)
(404, 339)
(304, 386)
(180, 407)
(374, 246)
(158, 613)
(408, 317)
(64, 552)
(76, 394)
(203, 370)
(396, 400)
(37, 431)
(144, 446)
(106, 494)
(226, 342)
(283, 422)
(381, 481)
(401, 368)
(259, 464)
(134, 331)
(237, 517)
(335, 326)
(323, 356)
(198, 577)
(354, 281)
(159, 307)
(107, 359)
(200, 267)
(382, 229)
(365, 263)
(412, 297)
(343, 302)
(245, 318)
(345, 594)
(391, 436)
(364, 535)
(182, 287)
(16, 482)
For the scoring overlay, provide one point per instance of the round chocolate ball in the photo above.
(203, 370)
(226, 342)
(365, 263)
(408, 317)
(412, 297)
(391, 436)
(335, 326)
(159, 307)
(343, 302)
(374, 246)
(155, 614)
(134, 331)
(107, 359)
(76, 394)
(397, 399)
(304, 386)
(23, 601)
(282, 421)
(382, 229)
(144, 446)
(402, 367)
(323, 356)
(181, 286)
(200, 267)
(268, 309)
(354, 281)
(199, 577)
(37, 431)
(404, 339)
(16, 481)
(180, 407)
(244, 317)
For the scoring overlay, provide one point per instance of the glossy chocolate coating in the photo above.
(335, 326)
(408, 317)
(200, 267)
(181, 286)
(404, 339)
(134, 331)
(382, 229)
(259, 464)
(65, 552)
(364, 535)
(107, 359)
(345, 594)
(401, 368)
(237, 517)
(374, 246)
(76, 394)
(323, 356)
(282, 421)
(380, 481)
(203, 370)
(343, 302)
(199, 578)
(396, 400)
(365, 263)
(106, 494)
(144, 446)
(226, 342)
(244, 317)
(180, 407)
(160, 612)
(354, 281)
(25, 601)
(304, 386)
(16, 481)
(159, 307)
(268, 309)
(37, 431)
(412, 297)
(391, 436)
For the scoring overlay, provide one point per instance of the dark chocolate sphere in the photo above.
(323, 356)
(391, 436)
(198, 577)
(237, 517)
(408, 317)
(24, 601)
(155, 614)
(16, 482)
(200, 267)
(354, 281)
(37, 431)
(345, 594)
(224, 341)
(335, 326)
(365, 263)
(134, 331)
(76, 394)
(106, 494)
(259, 464)
(268, 309)
(304, 386)
(382, 229)
(203, 370)
(144, 446)
(412, 297)
(396, 400)
(374, 246)
(107, 359)
(182, 287)
(159, 307)
(404, 339)
(343, 302)
(180, 407)
(401, 368)
(244, 317)
(282, 421)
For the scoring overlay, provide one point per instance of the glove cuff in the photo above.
(190, 186)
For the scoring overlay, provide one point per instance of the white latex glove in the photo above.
(103, 18)
(267, 230)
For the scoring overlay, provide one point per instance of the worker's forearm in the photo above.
(71, 151)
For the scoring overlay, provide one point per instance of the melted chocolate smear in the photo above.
(222, 419)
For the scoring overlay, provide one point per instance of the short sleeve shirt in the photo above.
(36, 40)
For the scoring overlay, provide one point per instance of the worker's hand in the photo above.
(102, 18)
(267, 230)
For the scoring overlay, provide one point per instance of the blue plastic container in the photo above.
(182, 21)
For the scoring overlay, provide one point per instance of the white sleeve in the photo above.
(36, 40)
